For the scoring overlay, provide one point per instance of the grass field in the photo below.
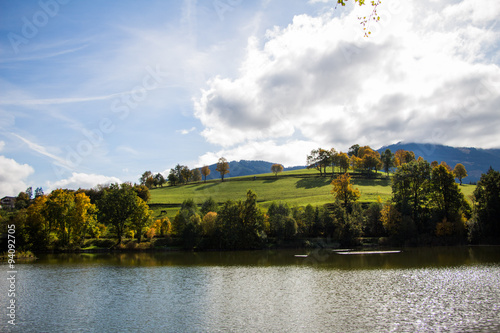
(298, 187)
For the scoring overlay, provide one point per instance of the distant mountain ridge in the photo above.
(476, 160)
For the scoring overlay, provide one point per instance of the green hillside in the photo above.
(298, 187)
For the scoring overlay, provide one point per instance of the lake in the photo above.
(445, 289)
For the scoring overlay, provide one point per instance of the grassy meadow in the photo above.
(298, 187)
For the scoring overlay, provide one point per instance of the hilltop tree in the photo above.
(196, 175)
(353, 150)
(186, 174)
(222, 167)
(402, 156)
(144, 178)
(319, 159)
(460, 172)
(276, 168)
(344, 191)
(38, 192)
(172, 177)
(205, 171)
(159, 180)
(387, 158)
(343, 162)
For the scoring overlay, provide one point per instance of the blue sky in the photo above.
(95, 92)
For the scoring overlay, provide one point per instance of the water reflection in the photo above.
(321, 258)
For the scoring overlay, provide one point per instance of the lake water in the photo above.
(455, 289)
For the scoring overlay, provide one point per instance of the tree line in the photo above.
(181, 174)
(366, 160)
(427, 207)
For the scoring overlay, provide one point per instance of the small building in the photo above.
(8, 202)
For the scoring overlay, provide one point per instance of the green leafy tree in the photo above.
(140, 218)
(278, 213)
(448, 202)
(196, 175)
(186, 174)
(159, 180)
(172, 177)
(116, 207)
(145, 176)
(353, 150)
(410, 189)
(484, 226)
(209, 205)
(387, 158)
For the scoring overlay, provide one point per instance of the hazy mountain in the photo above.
(475, 160)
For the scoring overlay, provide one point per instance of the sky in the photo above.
(95, 92)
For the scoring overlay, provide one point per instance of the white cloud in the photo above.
(2, 144)
(318, 79)
(13, 176)
(291, 153)
(186, 131)
(82, 180)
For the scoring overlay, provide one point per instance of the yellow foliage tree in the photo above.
(344, 191)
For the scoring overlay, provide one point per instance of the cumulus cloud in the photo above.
(427, 74)
(287, 153)
(82, 180)
(13, 175)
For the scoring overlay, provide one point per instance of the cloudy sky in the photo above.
(94, 92)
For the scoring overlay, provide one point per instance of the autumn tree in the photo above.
(459, 172)
(84, 216)
(370, 159)
(276, 168)
(344, 191)
(205, 171)
(222, 167)
(402, 156)
(343, 162)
